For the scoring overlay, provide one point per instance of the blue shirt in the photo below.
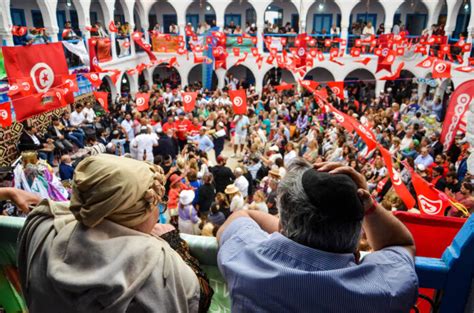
(271, 273)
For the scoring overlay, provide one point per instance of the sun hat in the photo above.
(231, 189)
(186, 197)
(174, 179)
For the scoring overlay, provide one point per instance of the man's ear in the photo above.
(280, 228)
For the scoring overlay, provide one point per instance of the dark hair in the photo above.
(468, 186)
(452, 174)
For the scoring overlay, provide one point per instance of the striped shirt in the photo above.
(271, 273)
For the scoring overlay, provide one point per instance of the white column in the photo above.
(5, 23)
(83, 14)
(453, 9)
(127, 6)
(390, 7)
(220, 73)
(108, 7)
(346, 7)
(434, 9)
(48, 12)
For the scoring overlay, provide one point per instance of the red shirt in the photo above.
(182, 128)
(167, 126)
(194, 130)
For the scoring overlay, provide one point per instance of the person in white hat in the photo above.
(235, 198)
(188, 222)
(241, 182)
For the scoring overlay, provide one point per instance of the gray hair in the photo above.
(302, 222)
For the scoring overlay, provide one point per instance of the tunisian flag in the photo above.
(458, 105)
(431, 201)
(337, 88)
(102, 98)
(397, 183)
(239, 101)
(142, 99)
(189, 101)
(5, 114)
(441, 69)
(45, 64)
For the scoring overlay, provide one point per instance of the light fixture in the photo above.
(208, 8)
(466, 7)
(124, 80)
(68, 3)
(321, 6)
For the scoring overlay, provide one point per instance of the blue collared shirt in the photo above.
(271, 273)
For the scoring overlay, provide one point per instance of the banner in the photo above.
(458, 104)
(104, 50)
(397, 183)
(337, 88)
(45, 65)
(245, 46)
(430, 200)
(189, 101)
(93, 60)
(162, 44)
(239, 101)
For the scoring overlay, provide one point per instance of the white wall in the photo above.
(27, 6)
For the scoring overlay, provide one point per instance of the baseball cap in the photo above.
(334, 196)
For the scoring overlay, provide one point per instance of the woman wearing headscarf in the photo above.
(101, 252)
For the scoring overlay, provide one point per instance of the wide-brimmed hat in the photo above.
(174, 179)
(186, 197)
(275, 172)
(231, 189)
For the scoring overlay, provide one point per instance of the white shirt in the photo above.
(128, 125)
(290, 156)
(144, 143)
(405, 143)
(368, 31)
(242, 184)
(237, 203)
(77, 118)
(89, 114)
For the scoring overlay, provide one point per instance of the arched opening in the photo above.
(442, 13)
(282, 17)
(196, 77)
(276, 76)
(239, 16)
(138, 12)
(200, 15)
(463, 15)
(125, 84)
(360, 84)
(96, 14)
(122, 39)
(322, 15)
(143, 81)
(108, 86)
(320, 75)
(412, 16)
(240, 75)
(366, 11)
(404, 87)
(163, 75)
(163, 18)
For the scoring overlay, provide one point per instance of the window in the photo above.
(250, 16)
(236, 18)
(416, 23)
(368, 17)
(168, 19)
(37, 18)
(94, 18)
(193, 19)
(18, 17)
(322, 21)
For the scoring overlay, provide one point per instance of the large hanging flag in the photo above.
(5, 114)
(94, 78)
(310, 85)
(239, 101)
(397, 183)
(102, 99)
(458, 105)
(137, 38)
(45, 65)
(141, 100)
(189, 101)
(93, 60)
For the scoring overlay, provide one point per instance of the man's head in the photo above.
(238, 172)
(424, 151)
(79, 108)
(319, 210)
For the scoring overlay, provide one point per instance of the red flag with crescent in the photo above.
(239, 101)
(44, 64)
(337, 88)
(112, 27)
(94, 78)
(141, 100)
(441, 69)
(5, 114)
(102, 99)
(189, 101)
